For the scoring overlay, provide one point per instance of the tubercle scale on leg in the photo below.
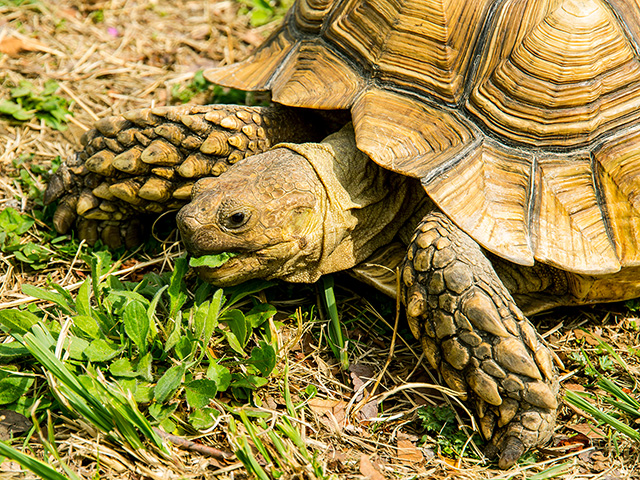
(465, 318)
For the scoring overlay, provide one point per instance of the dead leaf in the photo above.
(407, 450)
(360, 374)
(590, 431)
(12, 46)
(334, 410)
(12, 424)
(590, 339)
(574, 387)
(575, 444)
(368, 470)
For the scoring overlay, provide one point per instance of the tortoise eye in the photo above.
(237, 219)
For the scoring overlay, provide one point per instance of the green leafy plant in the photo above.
(626, 408)
(262, 12)
(26, 103)
(441, 423)
(215, 93)
(279, 441)
(137, 352)
(17, 3)
(13, 225)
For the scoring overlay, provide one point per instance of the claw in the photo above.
(111, 236)
(65, 214)
(54, 190)
(512, 451)
(88, 230)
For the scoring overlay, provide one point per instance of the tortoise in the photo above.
(490, 154)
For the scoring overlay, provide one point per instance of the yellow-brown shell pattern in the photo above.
(521, 118)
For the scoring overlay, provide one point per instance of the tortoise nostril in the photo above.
(187, 223)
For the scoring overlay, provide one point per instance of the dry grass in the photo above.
(113, 56)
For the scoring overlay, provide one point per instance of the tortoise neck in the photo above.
(367, 205)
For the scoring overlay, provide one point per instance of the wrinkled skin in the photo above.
(271, 217)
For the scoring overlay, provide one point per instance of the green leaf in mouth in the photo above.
(211, 261)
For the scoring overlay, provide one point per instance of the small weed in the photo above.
(34, 249)
(441, 423)
(626, 407)
(17, 3)
(633, 304)
(214, 93)
(97, 16)
(184, 93)
(31, 176)
(262, 12)
(25, 104)
(605, 362)
(13, 225)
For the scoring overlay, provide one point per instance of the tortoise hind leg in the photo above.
(477, 338)
(145, 161)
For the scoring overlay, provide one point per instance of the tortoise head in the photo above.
(268, 210)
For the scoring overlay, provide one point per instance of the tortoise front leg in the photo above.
(473, 333)
(146, 161)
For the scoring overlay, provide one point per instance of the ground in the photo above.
(108, 57)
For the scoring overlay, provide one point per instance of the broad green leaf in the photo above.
(169, 382)
(144, 367)
(122, 368)
(203, 418)
(101, 351)
(260, 314)
(54, 297)
(100, 263)
(76, 347)
(11, 351)
(220, 375)
(16, 111)
(263, 357)
(203, 292)
(14, 387)
(160, 412)
(184, 347)
(212, 316)
(23, 89)
(211, 261)
(13, 221)
(143, 393)
(130, 296)
(151, 312)
(237, 322)
(83, 303)
(167, 425)
(200, 318)
(88, 325)
(250, 287)
(177, 296)
(234, 343)
(18, 321)
(200, 392)
(136, 324)
(174, 336)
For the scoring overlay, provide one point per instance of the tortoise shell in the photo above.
(521, 118)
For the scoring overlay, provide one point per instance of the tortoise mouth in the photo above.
(211, 261)
(226, 272)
